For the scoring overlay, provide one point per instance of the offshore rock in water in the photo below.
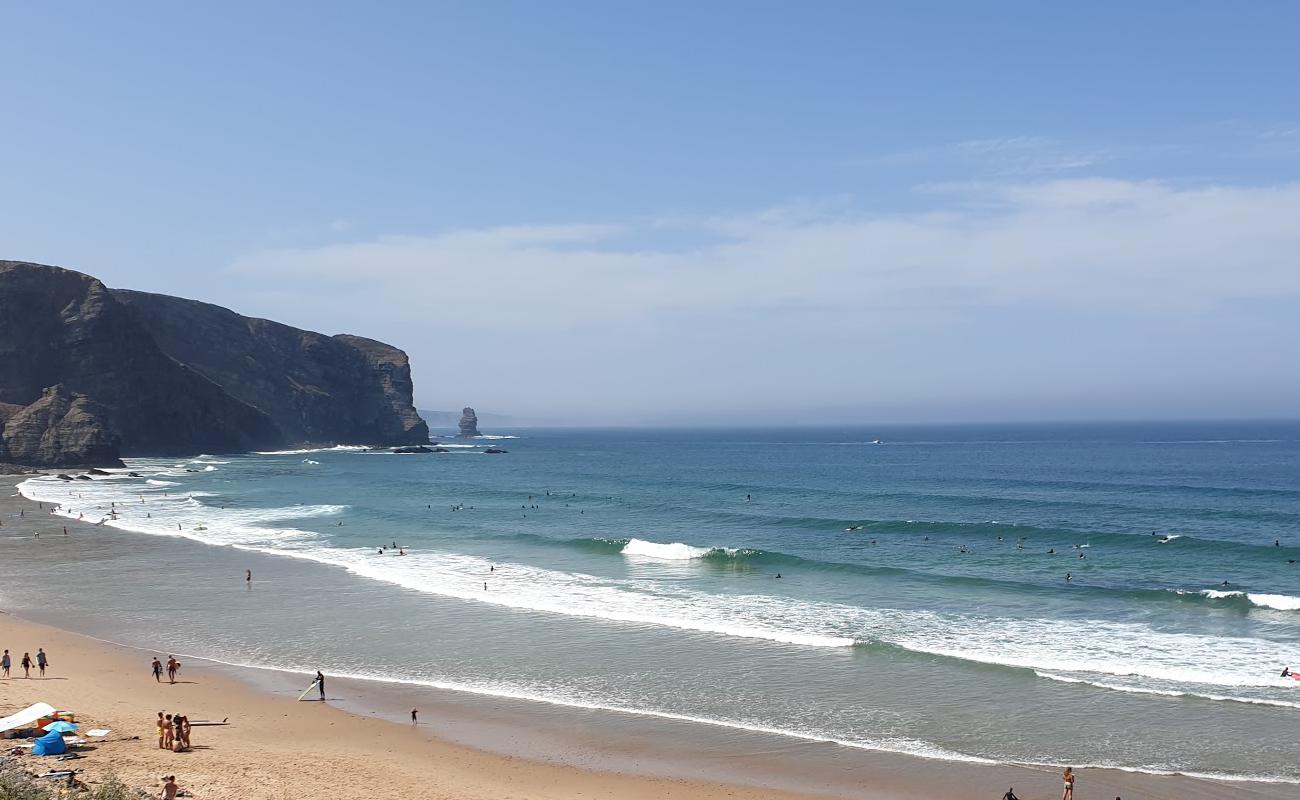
(415, 449)
(468, 423)
(491, 451)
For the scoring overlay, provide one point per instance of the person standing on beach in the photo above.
(320, 684)
(1068, 778)
(41, 661)
(157, 670)
(248, 577)
(414, 720)
(162, 730)
(168, 734)
(5, 663)
(27, 665)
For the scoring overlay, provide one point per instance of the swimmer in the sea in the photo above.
(1052, 552)
(1069, 577)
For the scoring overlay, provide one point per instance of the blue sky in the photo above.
(715, 212)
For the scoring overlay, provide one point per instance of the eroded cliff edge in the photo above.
(133, 373)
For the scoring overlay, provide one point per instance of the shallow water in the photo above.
(639, 577)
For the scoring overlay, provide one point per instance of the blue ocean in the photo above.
(1094, 594)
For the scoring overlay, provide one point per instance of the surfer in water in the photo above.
(1286, 672)
(1069, 577)
(248, 576)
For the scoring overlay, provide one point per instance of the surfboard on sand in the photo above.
(308, 689)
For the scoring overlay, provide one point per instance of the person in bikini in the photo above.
(1067, 778)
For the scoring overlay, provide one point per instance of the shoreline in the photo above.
(643, 766)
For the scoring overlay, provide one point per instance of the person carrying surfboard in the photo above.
(320, 684)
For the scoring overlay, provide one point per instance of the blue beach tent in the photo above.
(51, 744)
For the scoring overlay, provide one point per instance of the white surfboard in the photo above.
(307, 690)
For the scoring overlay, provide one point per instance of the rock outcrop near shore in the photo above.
(88, 374)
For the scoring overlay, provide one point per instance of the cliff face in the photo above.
(164, 376)
(61, 429)
(315, 388)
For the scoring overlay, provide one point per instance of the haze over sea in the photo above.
(808, 582)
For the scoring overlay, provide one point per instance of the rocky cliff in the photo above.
(315, 388)
(468, 424)
(145, 374)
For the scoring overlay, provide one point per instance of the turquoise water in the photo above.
(918, 607)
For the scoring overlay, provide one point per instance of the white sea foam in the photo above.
(1277, 602)
(1123, 653)
(669, 552)
(153, 482)
(494, 437)
(339, 448)
(1115, 687)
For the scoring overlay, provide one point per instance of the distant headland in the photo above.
(89, 374)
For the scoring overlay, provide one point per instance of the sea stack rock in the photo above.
(468, 423)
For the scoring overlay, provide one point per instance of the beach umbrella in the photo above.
(59, 726)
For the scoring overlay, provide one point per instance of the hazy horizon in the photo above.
(735, 213)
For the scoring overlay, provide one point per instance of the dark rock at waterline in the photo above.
(416, 449)
(133, 474)
(60, 428)
(495, 450)
(147, 374)
(63, 477)
(83, 478)
(93, 471)
(468, 424)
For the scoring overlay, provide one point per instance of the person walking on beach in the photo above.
(320, 684)
(27, 665)
(172, 667)
(1068, 778)
(157, 670)
(5, 663)
(41, 661)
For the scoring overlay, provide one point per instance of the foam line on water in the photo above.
(1133, 653)
(1101, 684)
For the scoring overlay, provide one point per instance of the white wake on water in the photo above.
(1123, 654)
(668, 552)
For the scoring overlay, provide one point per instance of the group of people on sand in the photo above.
(173, 732)
(1067, 793)
(173, 667)
(40, 662)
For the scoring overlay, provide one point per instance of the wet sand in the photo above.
(277, 748)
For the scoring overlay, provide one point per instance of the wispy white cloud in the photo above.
(1023, 157)
(1108, 244)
